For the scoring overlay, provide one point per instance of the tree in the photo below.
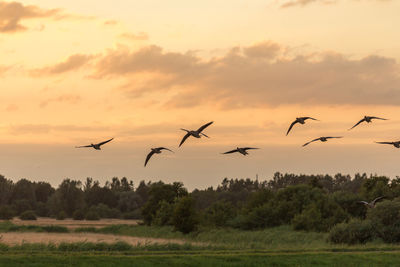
(184, 217)
(159, 192)
(68, 197)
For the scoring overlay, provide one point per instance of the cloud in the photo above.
(150, 58)
(3, 69)
(110, 22)
(70, 99)
(22, 129)
(303, 3)
(255, 76)
(71, 63)
(12, 13)
(141, 36)
(11, 108)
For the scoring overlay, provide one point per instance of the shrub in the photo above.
(319, 216)
(6, 212)
(164, 214)
(28, 215)
(105, 212)
(92, 216)
(220, 213)
(78, 215)
(354, 232)
(133, 215)
(41, 209)
(61, 215)
(263, 216)
(386, 219)
(184, 217)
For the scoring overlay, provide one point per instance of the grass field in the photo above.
(280, 246)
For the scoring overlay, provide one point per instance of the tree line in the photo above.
(306, 202)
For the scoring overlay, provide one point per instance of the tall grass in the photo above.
(10, 227)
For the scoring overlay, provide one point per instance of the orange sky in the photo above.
(76, 72)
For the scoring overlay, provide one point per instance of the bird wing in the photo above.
(148, 157)
(232, 151)
(385, 143)
(312, 141)
(363, 119)
(184, 138)
(102, 143)
(328, 137)
(83, 146)
(363, 202)
(204, 126)
(378, 118)
(290, 127)
(306, 118)
(246, 148)
(376, 200)
(161, 148)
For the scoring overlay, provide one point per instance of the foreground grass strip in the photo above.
(324, 259)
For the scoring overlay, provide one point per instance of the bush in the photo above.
(92, 216)
(41, 210)
(385, 218)
(319, 216)
(263, 216)
(164, 214)
(354, 232)
(220, 213)
(6, 212)
(28, 215)
(133, 215)
(184, 217)
(61, 215)
(78, 215)
(105, 212)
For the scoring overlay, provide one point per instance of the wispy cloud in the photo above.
(256, 76)
(68, 98)
(73, 62)
(141, 36)
(302, 3)
(13, 13)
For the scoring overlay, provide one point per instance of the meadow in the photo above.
(278, 246)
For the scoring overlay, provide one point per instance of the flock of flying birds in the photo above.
(243, 150)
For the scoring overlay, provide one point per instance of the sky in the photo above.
(79, 72)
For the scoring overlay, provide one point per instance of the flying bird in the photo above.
(96, 146)
(395, 144)
(153, 151)
(368, 119)
(372, 203)
(241, 150)
(196, 134)
(323, 139)
(300, 120)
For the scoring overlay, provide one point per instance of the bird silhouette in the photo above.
(300, 120)
(395, 144)
(153, 151)
(96, 146)
(367, 119)
(241, 150)
(372, 203)
(323, 139)
(196, 134)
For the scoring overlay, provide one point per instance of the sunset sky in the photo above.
(79, 72)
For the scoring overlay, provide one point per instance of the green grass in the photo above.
(10, 227)
(280, 246)
(325, 259)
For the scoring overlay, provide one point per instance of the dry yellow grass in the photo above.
(56, 238)
(72, 224)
